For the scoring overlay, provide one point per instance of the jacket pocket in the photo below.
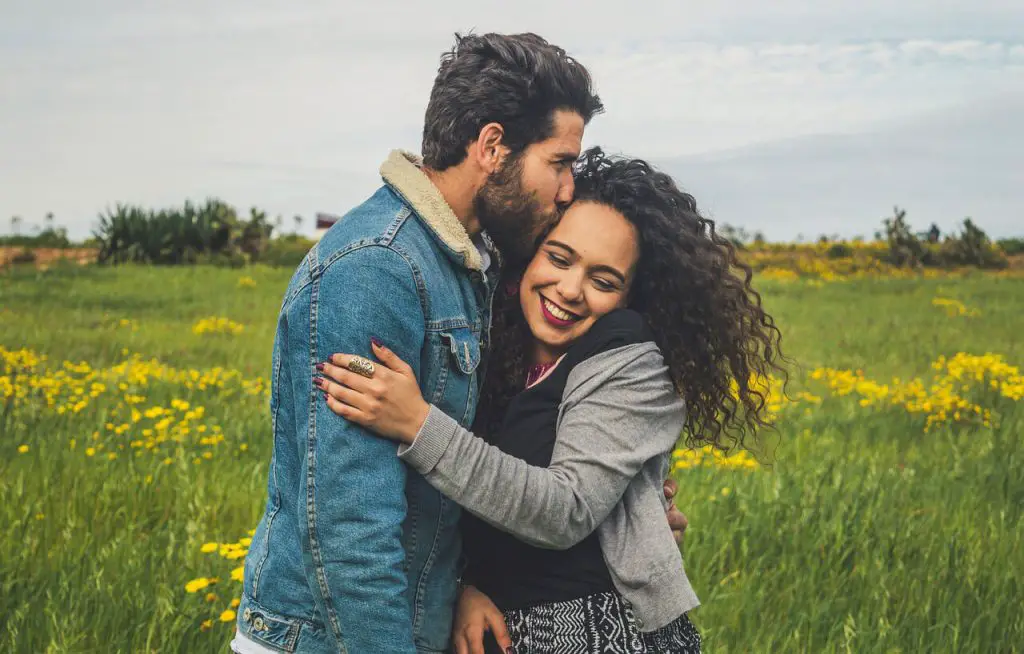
(465, 348)
(460, 349)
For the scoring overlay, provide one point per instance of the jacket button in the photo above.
(258, 624)
(247, 614)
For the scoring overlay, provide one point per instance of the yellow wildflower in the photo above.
(197, 585)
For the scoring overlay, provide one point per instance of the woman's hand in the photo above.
(476, 614)
(389, 403)
(677, 522)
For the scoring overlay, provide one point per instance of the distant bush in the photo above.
(48, 238)
(905, 249)
(972, 247)
(1011, 246)
(211, 232)
(839, 251)
(286, 251)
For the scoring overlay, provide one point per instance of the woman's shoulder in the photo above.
(613, 330)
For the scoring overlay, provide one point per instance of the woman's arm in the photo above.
(619, 411)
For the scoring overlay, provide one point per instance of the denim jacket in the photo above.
(355, 552)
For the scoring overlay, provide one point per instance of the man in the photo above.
(355, 553)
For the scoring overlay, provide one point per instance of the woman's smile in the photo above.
(556, 315)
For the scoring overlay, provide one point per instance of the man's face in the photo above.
(531, 189)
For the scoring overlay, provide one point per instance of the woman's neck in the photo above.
(543, 355)
(541, 363)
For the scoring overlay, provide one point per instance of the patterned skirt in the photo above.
(597, 623)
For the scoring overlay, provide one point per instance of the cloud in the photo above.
(941, 168)
(291, 107)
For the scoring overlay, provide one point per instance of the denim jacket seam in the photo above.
(266, 536)
(391, 231)
(290, 297)
(314, 543)
(257, 573)
(413, 517)
(446, 324)
(428, 564)
(442, 381)
(417, 275)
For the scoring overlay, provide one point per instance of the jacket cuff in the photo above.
(431, 441)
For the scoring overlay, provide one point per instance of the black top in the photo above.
(512, 573)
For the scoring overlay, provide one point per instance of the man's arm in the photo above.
(353, 497)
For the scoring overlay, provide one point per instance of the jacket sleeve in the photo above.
(353, 490)
(603, 441)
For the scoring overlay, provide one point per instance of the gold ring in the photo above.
(361, 366)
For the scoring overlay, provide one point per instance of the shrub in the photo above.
(839, 251)
(211, 232)
(1011, 246)
(48, 238)
(286, 251)
(972, 247)
(905, 250)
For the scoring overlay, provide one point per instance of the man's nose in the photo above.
(565, 192)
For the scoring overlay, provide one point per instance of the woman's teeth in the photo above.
(557, 312)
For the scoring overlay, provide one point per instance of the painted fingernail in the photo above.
(320, 367)
(376, 341)
(510, 650)
(318, 382)
(325, 397)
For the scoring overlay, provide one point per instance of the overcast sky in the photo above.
(777, 117)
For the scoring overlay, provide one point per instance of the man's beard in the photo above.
(511, 216)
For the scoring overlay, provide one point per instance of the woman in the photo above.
(627, 328)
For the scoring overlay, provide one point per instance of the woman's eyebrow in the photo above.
(562, 245)
(611, 271)
(601, 267)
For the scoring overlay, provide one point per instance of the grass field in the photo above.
(889, 521)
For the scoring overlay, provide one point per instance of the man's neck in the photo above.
(458, 191)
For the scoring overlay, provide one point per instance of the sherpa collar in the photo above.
(402, 171)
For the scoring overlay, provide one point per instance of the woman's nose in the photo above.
(570, 287)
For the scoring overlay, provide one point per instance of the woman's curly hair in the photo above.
(707, 319)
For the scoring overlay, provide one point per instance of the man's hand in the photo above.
(676, 520)
(476, 614)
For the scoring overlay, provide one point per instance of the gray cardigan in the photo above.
(618, 422)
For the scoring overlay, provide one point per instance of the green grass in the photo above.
(866, 535)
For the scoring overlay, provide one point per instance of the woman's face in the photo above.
(583, 270)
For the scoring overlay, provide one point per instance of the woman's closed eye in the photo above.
(558, 260)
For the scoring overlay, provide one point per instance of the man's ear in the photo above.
(489, 150)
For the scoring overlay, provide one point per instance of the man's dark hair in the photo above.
(516, 80)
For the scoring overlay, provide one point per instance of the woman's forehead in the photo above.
(596, 230)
